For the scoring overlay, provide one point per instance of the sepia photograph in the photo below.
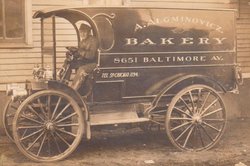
(124, 83)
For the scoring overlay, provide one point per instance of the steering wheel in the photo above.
(72, 53)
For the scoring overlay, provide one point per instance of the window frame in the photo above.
(28, 42)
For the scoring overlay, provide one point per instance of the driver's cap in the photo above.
(85, 27)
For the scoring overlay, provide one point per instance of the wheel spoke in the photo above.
(188, 136)
(66, 132)
(25, 131)
(212, 127)
(205, 110)
(182, 125)
(183, 132)
(180, 110)
(69, 116)
(203, 104)
(33, 120)
(202, 142)
(32, 110)
(49, 145)
(35, 141)
(213, 112)
(41, 107)
(29, 127)
(57, 104)
(49, 106)
(205, 131)
(41, 146)
(186, 105)
(64, 109)
(67, 125)
(199, 96)
(62, 139)
(32, 134)
(192, 99)
(58, 147)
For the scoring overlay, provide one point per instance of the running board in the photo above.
(115, 114)
(120, 121)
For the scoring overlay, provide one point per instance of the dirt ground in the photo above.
(134, 147)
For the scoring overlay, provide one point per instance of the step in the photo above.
(115, 117)
(119, 121)
(115, 114)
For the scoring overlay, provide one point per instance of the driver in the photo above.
(84, 59)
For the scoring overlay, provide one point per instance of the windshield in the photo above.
(55, 36)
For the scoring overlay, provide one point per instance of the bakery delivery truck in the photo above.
(157, 68)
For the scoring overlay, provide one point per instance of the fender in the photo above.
(52, 84)
(181, 79)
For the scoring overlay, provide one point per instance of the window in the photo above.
(106, 32)
(14, 23)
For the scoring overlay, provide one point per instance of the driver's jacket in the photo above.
(88, 49)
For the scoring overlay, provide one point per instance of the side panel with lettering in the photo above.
(168, 59)
(171, 30)
(141, 82)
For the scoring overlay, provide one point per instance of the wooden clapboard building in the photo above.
(20, 34)
(243, 36)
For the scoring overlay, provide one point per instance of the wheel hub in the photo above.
(50, 126)
(197, 119)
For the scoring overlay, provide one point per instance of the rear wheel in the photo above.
(196, 118)
(48, 126)
(8, 116)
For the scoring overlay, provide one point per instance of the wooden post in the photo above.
(42, 42)
(54, 46)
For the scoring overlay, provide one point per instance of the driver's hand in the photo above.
(76, 54)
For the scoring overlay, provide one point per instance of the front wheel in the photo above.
(48, 126)
(196, 118)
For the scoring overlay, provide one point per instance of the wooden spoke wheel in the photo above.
(8, 116)
(48, 126)
(196, 118)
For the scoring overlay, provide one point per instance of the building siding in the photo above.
(243, 36)
(16, 64)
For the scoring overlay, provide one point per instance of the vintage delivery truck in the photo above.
(157, 68)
